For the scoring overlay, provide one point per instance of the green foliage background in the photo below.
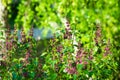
(82, 16)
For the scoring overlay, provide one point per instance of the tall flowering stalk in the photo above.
(23, 36)
(8, 41)
(14, 37)
(7, 26)
(79, 56)
(27, 56)
(29, 41)
(68, 34)
(107, 49)
(97, 34)
(90, 55)
(31, 34)
(79, 59)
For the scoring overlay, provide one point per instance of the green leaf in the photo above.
(36, 61)
(74, 77)
(32, 74)
(45, 67)
(53, 76)
(79, 67)
(44, 53)
(14, 76)
(15, 60)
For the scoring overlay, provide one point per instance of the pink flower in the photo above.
(85, 62)
(90, 57)
(71, 70)
(8, 45)
(59, 48)
(107, 49)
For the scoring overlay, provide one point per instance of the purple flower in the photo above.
(90, 57)
(71, 70)
(85, 62)
(97, 34)
(68, 34)
(8, 45)
(107, 49)
(59, 48)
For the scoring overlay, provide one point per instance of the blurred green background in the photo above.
(82, 15)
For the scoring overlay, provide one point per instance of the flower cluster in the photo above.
(8, 42)
(23, 38)
(97, 34)
(27, 56)
(68, 34)
(79, 59)
(59, 48)
(107, 48)
(71, 69)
